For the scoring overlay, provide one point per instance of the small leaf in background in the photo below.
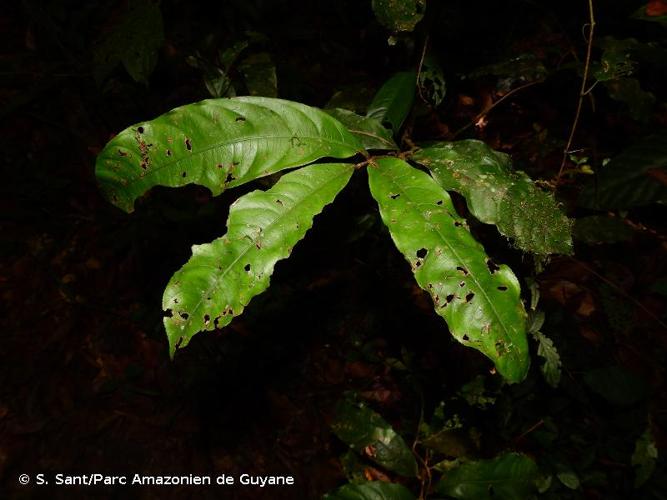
(229, 56)
(217, 82)
(569, 479)
(221, 277)
(616, 385)
(369, 131)
(627, 90)
(134, 41)
(474, 392)
(507, 477)
(393, 102)
(218, 144)
(431, 81)
(356, 97)
(520, 69)
(644, 458)
(496, 194)
(478, 299)
(259, 74)
(367, 432)
(597, 229)
(635, 177)
(399, 15)
(616, 60)
(376, 490)
(551, 368)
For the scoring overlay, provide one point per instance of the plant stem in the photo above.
(582, 92)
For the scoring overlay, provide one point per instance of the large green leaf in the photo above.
(393, 101)
(507, 477)
(218, 143)
(399, 15)
(478, 299)
(498, 195)
(636, 177)
(366, 431)
(222, 276)
(376, 490)
(369, 131)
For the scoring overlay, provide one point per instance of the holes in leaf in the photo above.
(184, 174)
(493, 267)
(462, 269)
(207, 319)
(219, 165)
(470, 296)
(140, 130)
(229, 178)
(184, 315)
(247, 268)
(502, 288)
(240, 119)
(279, 202)
(465, 337)
(168, 152)
(122, 153)
(421, 253)
(439, 202)
(188, 144)
(449, 298)
(462, 284)
(169, 313)
(457, 223)
(394, 196)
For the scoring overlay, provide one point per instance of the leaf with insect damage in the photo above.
(221, 277)
(478, 299)
(218, 143)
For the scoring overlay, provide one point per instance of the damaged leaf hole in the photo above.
(462, 284)
(207, 319)
(502, 288)
(184, 315)
(439, 202)
(421, 253)
(493, 267)
(470, 296)
(188, 144)
(184, 174)
(394, 196)
(462, 269)
(168, 152)
(247, 268)
(240, 119)
(140, 130)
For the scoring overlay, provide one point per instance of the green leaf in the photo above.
(597, 229)
(510, 476)
(259, 74)
(216, 80)
(628, 91)
(399, 15)
(636, 177)
(369, 131)
(393, 101)
(218, 143)
(569, 479)
(221, 277)
(376, 490)
(551, 368)
(642, 15)
(644, 458)
(616, 385)
(367, 432)
(498, 195)
(134, 42)
(431, 81)
(478, 299)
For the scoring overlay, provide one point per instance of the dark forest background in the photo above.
(86, 384)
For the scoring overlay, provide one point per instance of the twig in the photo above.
(419, 68)
(488, 109)
(582, 92)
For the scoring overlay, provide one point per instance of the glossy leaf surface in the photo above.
(393, 101)
(221, 277)
(498, 195)
(636, 177)
(369, 131)
(399, 15)
(375, 490)
(507, 477)
(218, 143)
(367, 432)
(478, 299)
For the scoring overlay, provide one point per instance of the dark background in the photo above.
(86, 381)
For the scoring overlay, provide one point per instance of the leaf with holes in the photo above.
(218, 143)
(505, 477)
(221, 277)
(374, 490)
(498, 195)
(478, 299)
(431, 81)
(399, 15)
(393, 101)
(367, 432)
(369, 131)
